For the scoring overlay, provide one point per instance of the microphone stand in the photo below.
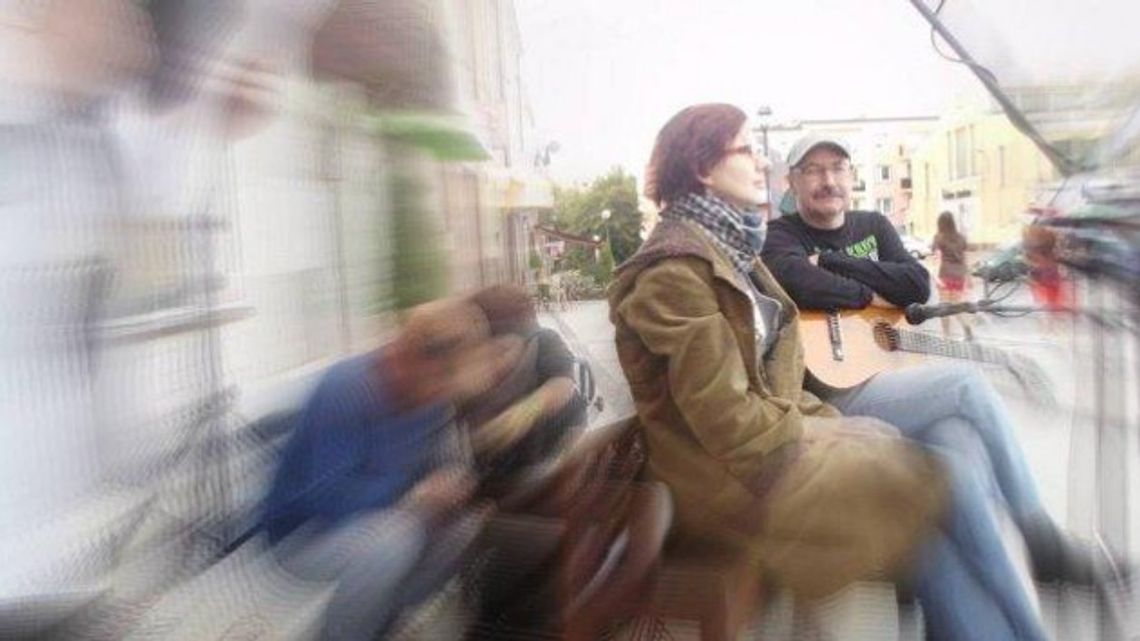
(1099, 316)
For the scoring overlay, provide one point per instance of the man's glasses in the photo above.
(818, 172)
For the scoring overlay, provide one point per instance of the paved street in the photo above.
(587, 328)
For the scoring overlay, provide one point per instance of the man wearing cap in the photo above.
(828, 257)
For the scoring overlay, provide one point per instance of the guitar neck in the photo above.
(923, 343)
(1028, 373)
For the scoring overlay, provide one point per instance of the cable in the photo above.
(956, 60)
(1062, 162)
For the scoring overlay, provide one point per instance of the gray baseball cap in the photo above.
(805, 145)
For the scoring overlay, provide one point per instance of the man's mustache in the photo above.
(830, 192)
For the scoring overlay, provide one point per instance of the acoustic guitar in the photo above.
(845, 348)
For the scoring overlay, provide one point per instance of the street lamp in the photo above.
(763, 113)
(605, 216)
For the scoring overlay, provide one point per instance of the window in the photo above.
(1001, 166)
(950, 153)
(961, 166)
(971, 148)
(884, 172)
(884, 206)
(926, 182)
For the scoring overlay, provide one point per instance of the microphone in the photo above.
(917, 314)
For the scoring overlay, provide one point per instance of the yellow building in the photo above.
(979, 167)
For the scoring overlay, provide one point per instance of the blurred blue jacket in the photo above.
(354, 450)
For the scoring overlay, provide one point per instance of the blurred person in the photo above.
(229, 57)
(517, 427)
(65, 55)
(710, 344)
(535, 407)
(1046, 280)
(371, 489)
(219, 78)
(828, 256)
(64, 64)
(950, 246)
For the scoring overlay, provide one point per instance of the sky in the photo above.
(604, 75)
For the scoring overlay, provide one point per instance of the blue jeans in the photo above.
(965, 579)
(383, 562)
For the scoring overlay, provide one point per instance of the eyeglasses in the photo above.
(817, 172)
(745, 150)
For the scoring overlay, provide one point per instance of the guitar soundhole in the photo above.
(886, 336)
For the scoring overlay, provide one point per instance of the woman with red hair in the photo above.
(755, 460)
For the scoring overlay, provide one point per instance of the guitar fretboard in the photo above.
(1027, 372)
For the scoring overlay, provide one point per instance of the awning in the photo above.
(567, 237)
(448, 137)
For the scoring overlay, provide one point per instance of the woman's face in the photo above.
(738, 177)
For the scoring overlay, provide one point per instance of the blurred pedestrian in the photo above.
(950, 246)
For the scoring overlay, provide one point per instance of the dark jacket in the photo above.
(863, 257)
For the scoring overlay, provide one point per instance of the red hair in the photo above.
(688, 147)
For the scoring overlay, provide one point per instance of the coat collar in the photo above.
(678, 238)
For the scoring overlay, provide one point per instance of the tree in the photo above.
(579, 211)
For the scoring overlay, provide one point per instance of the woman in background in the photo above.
(953, 273)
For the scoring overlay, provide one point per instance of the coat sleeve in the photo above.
(674, 311)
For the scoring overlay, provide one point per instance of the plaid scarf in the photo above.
(738, 234)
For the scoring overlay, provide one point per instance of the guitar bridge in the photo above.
(835, 336)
